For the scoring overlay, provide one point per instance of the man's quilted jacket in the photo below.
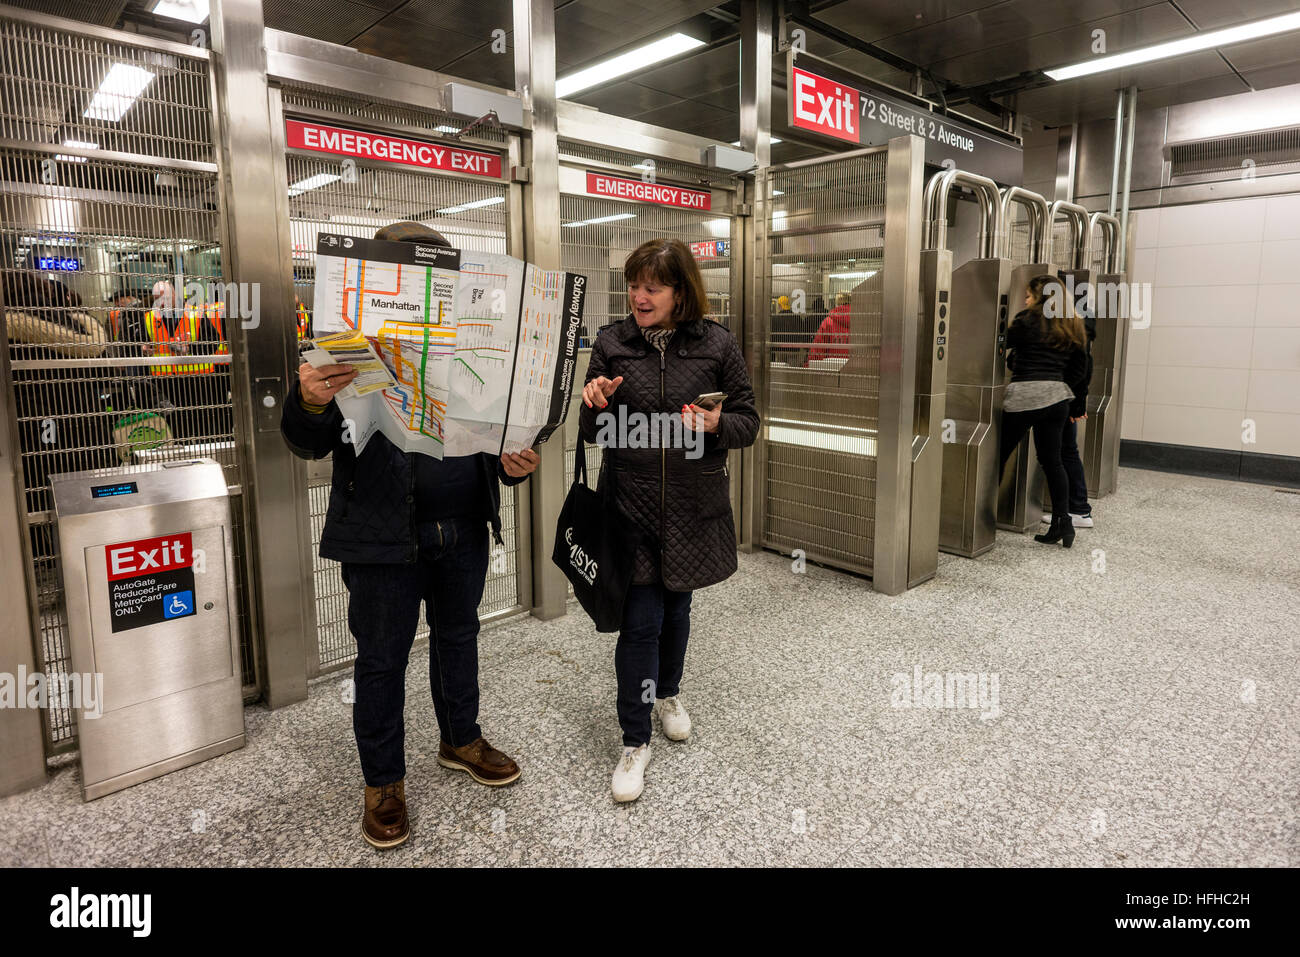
(371, 514)
(682, 505)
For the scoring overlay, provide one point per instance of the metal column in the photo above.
(534, 44)
(1100, 449)
(755, 136)
(276, 500)
(977, 360)
(1019, 509)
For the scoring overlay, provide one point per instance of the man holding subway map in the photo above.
(458, 363)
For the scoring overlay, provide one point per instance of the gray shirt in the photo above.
(1034, 394)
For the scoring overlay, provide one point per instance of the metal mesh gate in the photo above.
(115, 307)
(357, 201)
(822, 356)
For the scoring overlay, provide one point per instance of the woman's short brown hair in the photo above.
(670, 262)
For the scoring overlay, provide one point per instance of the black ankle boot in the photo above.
(1061, 530)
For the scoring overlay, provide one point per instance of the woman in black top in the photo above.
(1045, 353)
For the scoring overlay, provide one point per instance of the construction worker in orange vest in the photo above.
(188, 328)
(302, 318)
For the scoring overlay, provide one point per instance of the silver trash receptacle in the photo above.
(148, 575)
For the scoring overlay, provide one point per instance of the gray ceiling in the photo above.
(961, 43)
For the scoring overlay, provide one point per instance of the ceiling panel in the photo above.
(1213, 14)
(709, 70)
(476, 18)
(1007, 54)
(626, 99)
(685, 115)
(1280, 75)
(1261, 54)
(586, 30)
(1094, 97)
(346, 18)
(872, 20)
(397, 38)
(999, 24)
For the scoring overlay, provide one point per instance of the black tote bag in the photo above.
(595, 547)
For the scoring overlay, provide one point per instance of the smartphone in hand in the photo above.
(709, 400)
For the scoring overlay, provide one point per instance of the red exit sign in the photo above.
(389, 149)
(149, 555)
(661, 194)
(824, 106)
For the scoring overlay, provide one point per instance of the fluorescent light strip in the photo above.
(772, 140)
(84, 144)
(1162, 51)
(599, 219)
(477, 204)
(631, 62)
(854, 275)
(118, 93)
(825, 441)
(311, 182)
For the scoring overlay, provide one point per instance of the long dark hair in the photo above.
(1060, 324)
(670, 262)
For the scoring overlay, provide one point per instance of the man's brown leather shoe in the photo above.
(385, 823)
(485, 764)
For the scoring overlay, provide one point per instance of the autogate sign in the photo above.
(150, 580)
(598, 184)
(389, 149)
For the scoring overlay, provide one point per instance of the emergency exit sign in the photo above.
(362, 144)
(833, 102)
(661, 194)
(150, 580)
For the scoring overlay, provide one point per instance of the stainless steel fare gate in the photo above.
(838, 389)
(324, 195)
(102, 198)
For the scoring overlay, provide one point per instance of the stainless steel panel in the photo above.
(976, 369)
(932, 338)
(170, 689)
(534, 36)
(1100, 449)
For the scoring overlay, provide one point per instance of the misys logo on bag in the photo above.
(583, 564)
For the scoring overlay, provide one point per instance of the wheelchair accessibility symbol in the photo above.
(179, 605)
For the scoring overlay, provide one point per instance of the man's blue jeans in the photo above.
(649, 656)
(383, 613)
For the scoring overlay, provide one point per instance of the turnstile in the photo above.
(1100, 447)
(147, 566)
(976, 359)
(932, 347)
(1021, 496)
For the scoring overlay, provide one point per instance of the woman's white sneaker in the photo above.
(676, 722)
(629, 775)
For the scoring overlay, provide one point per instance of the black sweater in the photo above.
(1032, 359)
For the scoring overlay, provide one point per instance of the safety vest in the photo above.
(189, 329)
(304, 322)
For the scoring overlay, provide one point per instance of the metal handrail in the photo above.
(1039, 213)
(1110, 239)
(1082, 231)
(936, 198)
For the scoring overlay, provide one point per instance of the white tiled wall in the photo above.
(1224, 342)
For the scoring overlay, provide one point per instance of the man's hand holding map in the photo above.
(459, 351)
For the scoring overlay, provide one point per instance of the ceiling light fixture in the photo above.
(118, 93)
(477, 204)
(773, 140)
(191, 11)
(1162, 51)
(311, 182)
(630, 62)
(600, 219)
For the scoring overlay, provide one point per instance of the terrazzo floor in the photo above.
(1147, 713)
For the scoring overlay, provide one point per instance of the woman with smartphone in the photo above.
(666, 359)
